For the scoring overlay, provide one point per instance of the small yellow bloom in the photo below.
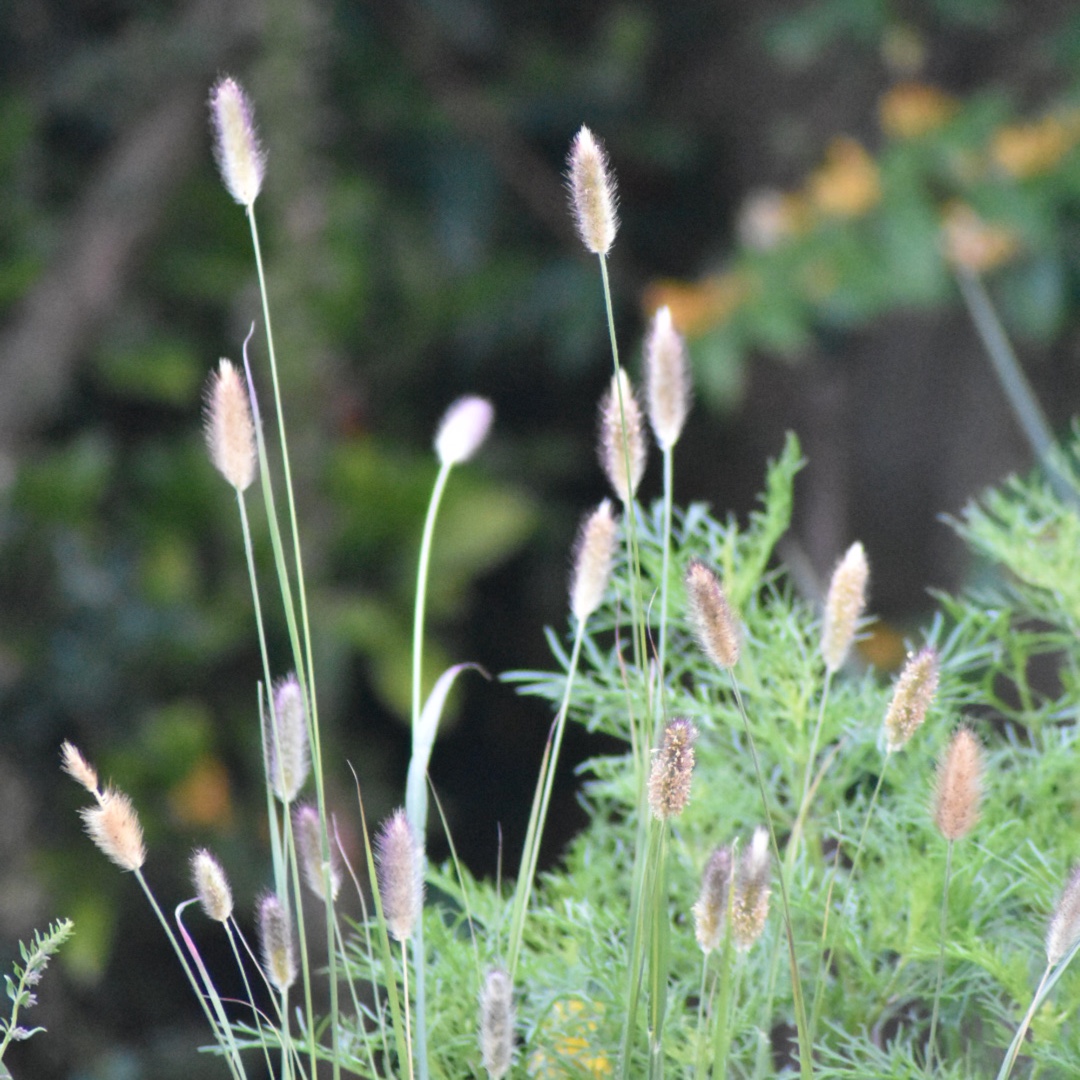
(568, 1029)
(848, 184)
(974, 244)
(1023, 150)
(768, 217)
(910, 109)
(698, 306)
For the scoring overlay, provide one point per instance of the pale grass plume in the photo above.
(622, 438)
(230, 431)
(594, 553)
(239, 155)
(959, 785)
(211, 886)
(844, 606)
(912, 696)
(750, 907)
(711, 907)
(307, 828)
(399, 862)
(288, 759)
(114, 826)
(672, 770)
(463, 429)
(667, 379)
(77, 767)
(711, 615)
(592, 193)
(1064, 928)
(497, 1023)
(276, 940)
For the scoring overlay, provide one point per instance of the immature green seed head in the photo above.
(750, 907)
(240, 158)
(667, 379)
(593, 556)
(711, 615)
(400, 873)
(211, 886)
(711, 907)
(287, 758)
(276, 938)
(672, 770)
(844, 606)
(497, 1023)
(912, 697)
(622, 438)
(592, 193)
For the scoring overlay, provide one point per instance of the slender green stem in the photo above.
(665, 571)
(941, 960)
(658, 956)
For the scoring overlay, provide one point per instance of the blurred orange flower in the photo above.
(1024, 150)
(910, 109)
(848, 184)
(974, 244)
(697, 307)
(203, 797)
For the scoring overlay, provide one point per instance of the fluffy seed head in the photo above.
(593, 555)
(287, 760)
(592, 193)
(240, 158)
(711, 907)
(401, 875)
(77, 767)
(497, 1023)
(463, 429)
(958, 790)
(308, 832)
(672, 770)
(1064, 926)
(844, 606)
(230, 432)
(276, 938)
(622, 444)
(211, 886)
(750, 908)
(667, 379)
(911, 698)
(114, 826)
(711, 616)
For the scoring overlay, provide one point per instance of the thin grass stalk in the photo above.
(658, 955)
(730, 972)
(941, 957)
(405, 997)
(229, 925)
(669, 495)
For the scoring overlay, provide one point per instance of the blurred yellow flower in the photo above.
(974, 244)
(568, 1028)
(848, 184)
(203, 796)
(1024, 150)
(698, 306)
(910, 109)
(768, 217)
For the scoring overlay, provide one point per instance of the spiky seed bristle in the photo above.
(230, 431)
(276, 939)
(463, 429)
(241, 159)
(711, 615)
(288, 760)
(711, 907)
(594, 553)
(497, 1023)
(958, 789)
(77, 767)
(667, 379)
(622, 438)
(211, 886)
(844, 606)
(399, 861)
(592, 193)
(750, 907)
(912, 697)
(672, 770)
(114, 826)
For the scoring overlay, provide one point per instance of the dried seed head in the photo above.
(276, 938)
(667, 379)
(672, 770)
(77, 767)
(307, 829)
(711, 907)
(240, 158)
(287, 760)
(959, 786)
(593, 555)
(114, 826)
(230, 432)
(497, 1023)
(844, 606)
(1064, 926)
(713, 622)
(211, 886)
(911, 698)
(750, 908)
(622, 445)
(463, 429)
(592, 193)
(400, 874)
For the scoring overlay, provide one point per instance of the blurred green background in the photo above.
(794, 178)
